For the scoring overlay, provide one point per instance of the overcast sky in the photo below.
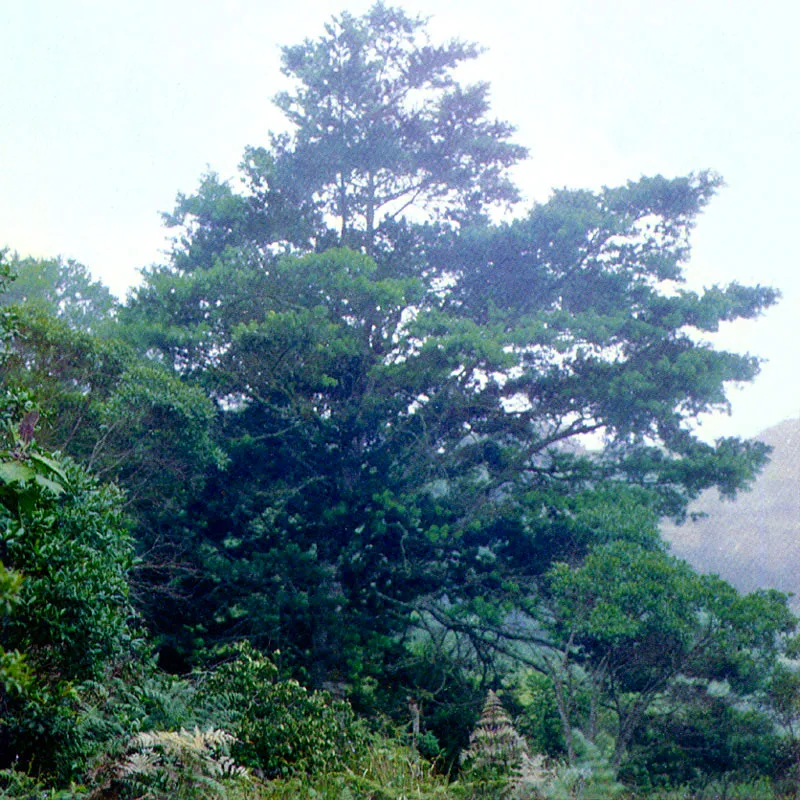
(108, 109)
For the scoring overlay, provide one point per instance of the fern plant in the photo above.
(497, 762)
(172, 765)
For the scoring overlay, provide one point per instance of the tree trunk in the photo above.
(370, 233)
(343, 209)
(562, 693)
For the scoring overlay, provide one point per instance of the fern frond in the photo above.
(165, 765)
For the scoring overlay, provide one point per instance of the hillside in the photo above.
(754, 541)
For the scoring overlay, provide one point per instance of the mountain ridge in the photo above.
(752, 541)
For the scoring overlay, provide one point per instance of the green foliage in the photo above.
(62, 289)
(705, 742)
(535, 696)
(124, 416)
(387, 770)
(212, 220)
(381, 124)
(632, 620)
(15, 784)
(783, 698)
(72, 550)
(14, 673)
(591, 777)
(7, 318)
(756, 789)
(282, 728)
(407, 453)
(622, 592)
(133, 697)
(63, 534)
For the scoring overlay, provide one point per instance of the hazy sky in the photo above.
(108, 109)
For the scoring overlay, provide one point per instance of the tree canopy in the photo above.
(381, 125)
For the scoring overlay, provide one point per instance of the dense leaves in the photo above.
(381, 125)
(407, 442)
(282, 728)
(634, 620)
(63, 535)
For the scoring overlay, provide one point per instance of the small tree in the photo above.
(62, 288)
(629, 621)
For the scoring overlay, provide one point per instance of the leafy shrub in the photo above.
(17, 784)
(282, 728)
(134, 697)
(591, 777)
(538, 721)
(387, 769)
(62, 534)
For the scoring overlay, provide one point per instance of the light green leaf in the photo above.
(50, 464)
(15, 472)
(50, 485)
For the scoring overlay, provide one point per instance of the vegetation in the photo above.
(357, 462)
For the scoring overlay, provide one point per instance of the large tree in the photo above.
(407, 424)
(411, 440)
(442, 447)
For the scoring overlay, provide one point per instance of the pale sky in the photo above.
(108, 109)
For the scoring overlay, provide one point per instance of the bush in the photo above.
(282, 728)
(385, 770)
(19, 785)
(591, 778)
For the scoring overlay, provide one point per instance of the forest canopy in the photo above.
(374, 442)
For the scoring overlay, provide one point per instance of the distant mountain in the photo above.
(754, 541)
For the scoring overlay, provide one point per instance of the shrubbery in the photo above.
(281, 727)
(69, 618)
